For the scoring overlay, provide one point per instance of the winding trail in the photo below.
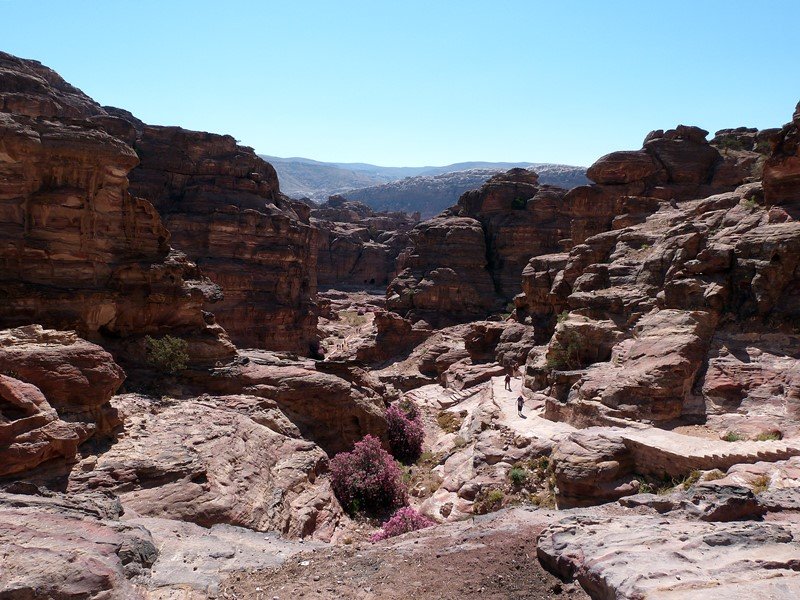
(533, 424)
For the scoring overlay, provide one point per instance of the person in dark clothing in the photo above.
(508, 381)
(520, 404)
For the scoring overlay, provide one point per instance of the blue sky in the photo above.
(424, 83)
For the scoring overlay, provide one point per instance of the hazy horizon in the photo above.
(424, 83)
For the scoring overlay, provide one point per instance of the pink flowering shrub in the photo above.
(405, 432)
(404, 520)
(367, 479)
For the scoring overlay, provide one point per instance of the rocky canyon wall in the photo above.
(79, 251)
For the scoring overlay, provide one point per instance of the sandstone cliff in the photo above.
(358, 247)
(690, 314)
(467, 261)
(224, 208)
(80, 252)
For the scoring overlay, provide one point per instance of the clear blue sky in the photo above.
(424, 82)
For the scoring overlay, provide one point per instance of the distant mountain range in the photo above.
(425, 189)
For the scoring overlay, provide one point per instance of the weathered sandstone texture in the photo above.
(358, 247)
(71, 546)
(638, 556)
(663, 314)
(224, 208)
(54, 395)
(79, 252)
(236, 460)
(782, 169)
(467, 261)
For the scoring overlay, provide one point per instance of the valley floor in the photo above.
(490, 557)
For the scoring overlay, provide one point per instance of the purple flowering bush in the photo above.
(405, 431)
(367, 479)
(404, 520)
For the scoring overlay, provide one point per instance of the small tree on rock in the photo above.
(167, 354)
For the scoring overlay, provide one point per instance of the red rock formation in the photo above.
(656, 297)
(245, 464)
(520, 219)
(225, 210)
(79, 251)
(678, 164)
(71, 546)
(358, 247)
(782, 170)
(443, 276)
(467, 261)
(54, 395)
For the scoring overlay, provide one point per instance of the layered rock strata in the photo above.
(467, 261)
(223, 205)
(80, 252)
(358, 247)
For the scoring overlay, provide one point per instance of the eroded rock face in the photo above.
(224, 208)
(215, 459)
(58, 546)
(592, 467)
(54, 395)
(677, 164)
(467, 262)
(673, 290)
(79, 251)
(782, 170)
(443, 276)
(677, 558)
(357, 246)
(332, 404)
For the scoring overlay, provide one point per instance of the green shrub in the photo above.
(167, 354)
(450, 422)
(763, 147)
(769, 436)
(518, 476)
(488, 501)
(691, 479)
(730, 143)
(750, 203)
(562, 357)
(760, 484)
(713, 475)
(732, 436)
(519, 203)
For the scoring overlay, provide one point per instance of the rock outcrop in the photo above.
(54, 395)
(664, 295)
(79, 252)
(443, 277)
(663, 558)
(782, 169)
(71, 546)
(224, 208)
(235, 460)
(358, 247)
(468, 261)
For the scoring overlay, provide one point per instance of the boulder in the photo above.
(54, 397)
(592, 467)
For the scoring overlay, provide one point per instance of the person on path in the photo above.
(520, 404)
(508, 381)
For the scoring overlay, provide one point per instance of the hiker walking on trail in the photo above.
(520, 404)
(508, 381)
